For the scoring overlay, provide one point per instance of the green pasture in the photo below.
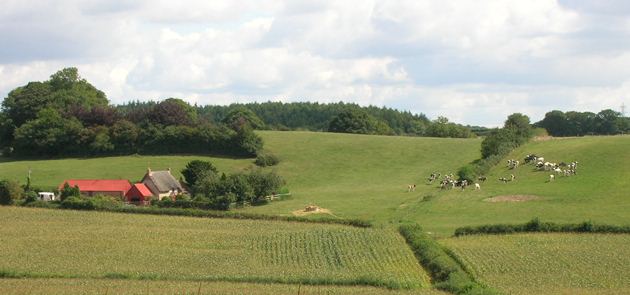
(548, 263)
(44, 243)
(362, 176)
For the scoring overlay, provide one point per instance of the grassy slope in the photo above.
(112, 286)
(548, 263)
(365, 177)
(50, 173)
(362, 176)
(51, 243)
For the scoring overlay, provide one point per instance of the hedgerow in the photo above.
(191, 212)
(446, 272)
(535, 225)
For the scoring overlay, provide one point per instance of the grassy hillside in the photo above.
(50, 173)
(360, 176)
(72, 244)
(548, 263)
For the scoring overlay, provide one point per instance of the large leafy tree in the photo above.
(48, 134)
(196, 170)
(64, 89)
(173, 111)
(357, 121)
(238, 117)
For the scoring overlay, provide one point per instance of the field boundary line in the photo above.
(359, 281)
(537, 226)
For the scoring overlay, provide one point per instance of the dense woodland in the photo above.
(606, 122)
(66, 115)
(342, 117)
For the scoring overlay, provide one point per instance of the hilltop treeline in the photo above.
(606, 122)
(66, 115)
(340, 117)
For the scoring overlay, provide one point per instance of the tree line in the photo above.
(340, 117)
(66, 115)
(606, 122)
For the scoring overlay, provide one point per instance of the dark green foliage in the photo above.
(443, 128)
(68, 116)
(197, 169)
(606, 122)
(251, 187)
(316, 116)
(263, 184)
(10, 191)
(77, 203)
(535, 225)
(515, 132)
(240, 117)
(446, 272)
(265, 159)
(67, 191)
(173, 111)
(48, 134)
(358, 121)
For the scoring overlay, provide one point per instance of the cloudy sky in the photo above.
(474, 62)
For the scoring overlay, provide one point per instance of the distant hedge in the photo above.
(195, 213)
(446, 272)
(535, 225)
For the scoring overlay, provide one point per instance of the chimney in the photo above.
(149, 171)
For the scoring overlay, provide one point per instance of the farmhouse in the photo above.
(162, 183)
(93, 187)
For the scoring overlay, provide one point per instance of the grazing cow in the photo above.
(557, 170)
(530, 158)
(551, 177)
(512, 177)
(477, 186)
(411, 188)
(482, 178)
(505, 180)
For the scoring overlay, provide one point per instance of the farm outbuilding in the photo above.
(139, 194)
(93, 187)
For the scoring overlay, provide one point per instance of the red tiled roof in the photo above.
(141, 189)
(99, 185)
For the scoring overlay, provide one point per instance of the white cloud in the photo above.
(474, 62)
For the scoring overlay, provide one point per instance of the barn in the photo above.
(139, 194)
(106, 187)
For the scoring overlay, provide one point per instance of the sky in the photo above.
(474, 62)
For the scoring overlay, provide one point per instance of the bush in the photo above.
(447, 273)
(535, 225)
(266, 159)
(105, 202)
(10, 191)
(77, 203)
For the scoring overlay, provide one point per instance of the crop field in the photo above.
(548, 263)
(40, 243)
(117, 286)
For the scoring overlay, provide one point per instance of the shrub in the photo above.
(446, 272)
(77, 203)
(10, 191)
(105, 202)
(68, 191)
(266, 159)
(535, 225)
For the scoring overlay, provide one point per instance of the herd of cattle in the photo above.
(448, 181)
